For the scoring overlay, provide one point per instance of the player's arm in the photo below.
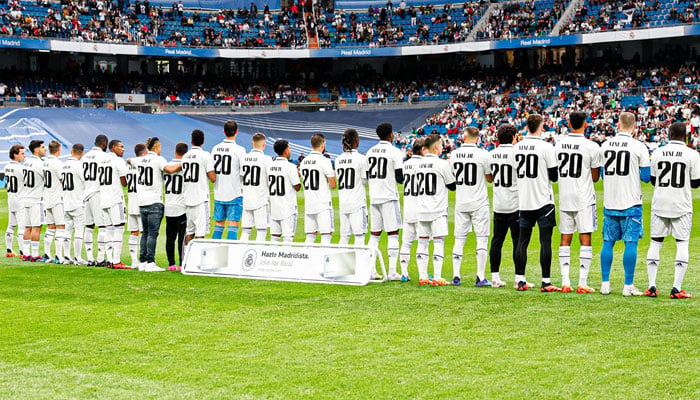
(550, 160)
(644, 163)
(293, 176)
(449, 176)
(398, 166)
(170, 168)
(209, 167)
(487, 168)
(330, 174)
(695, 171)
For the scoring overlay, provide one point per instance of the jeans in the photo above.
(151, 216)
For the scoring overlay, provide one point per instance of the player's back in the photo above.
(469, 164)
(132, 195)
(227, 157)
(73, 184)
(351, 170)
(14, 176)
(282, 176)
(315, 168)
(505, 179)
(674, 166)
(254, 167)
(110, 171)
(149, 184)
(411, 190)
(383, 159)
(91, 164)
(433, 175)
(533, 157)
(623, 156)
(33, 180)
(175, 192)
(576, 157)
(196, 164)
(53, 191)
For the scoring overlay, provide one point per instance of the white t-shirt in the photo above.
(14, 177)
(254, 178)
(623, 156)
(411, 191)
(315, 170)
(351, 168)
(91, 164)
(674, 166)
(227, 157)
(576, 157)
(149, 183)
(469, 165)
(110, 170)
(196, 164)
(33, 181)
(132, 196)
(533, 157)
(53, 190)
(383, 160)
(282, 176)
(175, 192)
(73, 184)
(505, 180)
(433, 175)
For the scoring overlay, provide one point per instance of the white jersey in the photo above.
(316, 169)
(132, 196)
(282, 176)
(175, 192)
(149, 183)
(91, 161)
(33, 181)
(383, 159)
(53, 191)
(469, 165)
(14, 177)
(623, 157)
(351, 168)
(110, 170)
(73, 184)
(411, 191)
(505, 181)
(433, 175)
(254, 168)
(533, 157)
(674, 166)
(196, 165)
(576, 157)
(227, 157)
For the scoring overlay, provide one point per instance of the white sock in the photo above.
(78, 243)
(344, 239)
(520, 278)
(481, 256)
(495, 276)
(585, 256)
(373, 241)
(9, 235)
(245, 233)
(457, 256)
(326, 238)
(27, 247)
(134, 250)
(35, 248)
(274, 238)
(49, 235)
(88, 244)
(60, 240)
(681, 263)
(565, 264)
(359, 240)
(66, 243)
(21, 241)
(287, 239)
(422, 258)
(546, 280)
(438, 256)
(117, 244)
(404, 257)
(261, 235)
(101, 243)
(653, 261)
(310, 238)
(393, 249)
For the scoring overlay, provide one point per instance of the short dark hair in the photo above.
(151, 142)
(181, 148)
(418, 146)
(197, 137)
(140, 149)
(384, 130)
(577, 119)
(15, 149)
(34, 144)
(280, 146)
(54, 146)
(101, 141)
(677, 131)
(506, 133)
(317, 140)
(113, 143)
(350, 137)
(431, 140)
(78, 148)
(257, 137)
(230, 128)
(533, 122)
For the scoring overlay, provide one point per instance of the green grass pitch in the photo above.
(78, 332)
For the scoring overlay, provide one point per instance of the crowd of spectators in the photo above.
(609, 15)
(522, 19)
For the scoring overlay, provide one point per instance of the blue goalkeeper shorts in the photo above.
(228, 210)
(626, 225)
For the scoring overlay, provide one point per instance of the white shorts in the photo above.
(477, 221)
(385, 217)
(259, 218)
(75, 220)
(16, 218)
(55, 215)
(678, 227)
(321, 222)
(286, 227)
(409, 234)
(133, 223)
(198, 219)
(115, 215)
(93, 211)
(34, 216)
(432, 229)
(584, 221)
(354, 223)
